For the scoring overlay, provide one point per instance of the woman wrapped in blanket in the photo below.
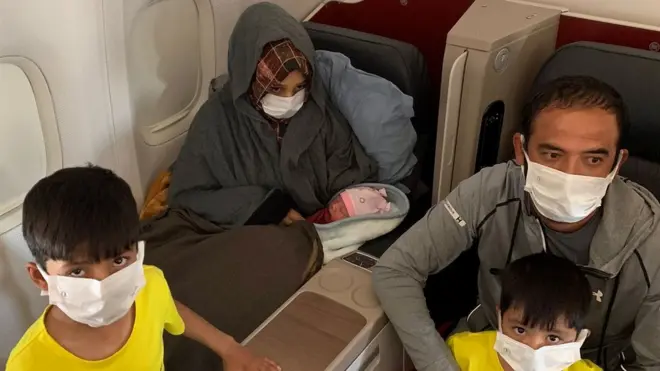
(270, 131)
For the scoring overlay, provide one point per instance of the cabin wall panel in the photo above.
(423, 23)
(572, 29)
(644, 13)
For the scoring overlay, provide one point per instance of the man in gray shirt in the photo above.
(562, 195)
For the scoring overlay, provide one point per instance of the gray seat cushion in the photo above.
(635, 74)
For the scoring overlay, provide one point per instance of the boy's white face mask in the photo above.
(283, 107)
(522, 357)
(97, 303)
(563, 197)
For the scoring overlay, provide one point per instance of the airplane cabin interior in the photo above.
(117, 83)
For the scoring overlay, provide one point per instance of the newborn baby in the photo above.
(353, 202)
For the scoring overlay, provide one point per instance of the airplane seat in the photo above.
(334, 322)
(398, 62)
(635, 74)
(403, 65)
(492, 56)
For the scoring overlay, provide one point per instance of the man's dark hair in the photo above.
(80, 212)
(545, 288)
(576, 92)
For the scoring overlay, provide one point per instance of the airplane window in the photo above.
(22, 145)
(163, 57)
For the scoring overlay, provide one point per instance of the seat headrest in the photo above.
(635, 74)
(399, 62)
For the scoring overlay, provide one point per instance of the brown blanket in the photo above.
(234, 278)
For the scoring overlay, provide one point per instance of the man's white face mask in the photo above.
(283, 107)
(522, 357)
(97, 303)
(563, 197)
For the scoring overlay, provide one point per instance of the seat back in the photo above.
(397, 61)
(635, 74)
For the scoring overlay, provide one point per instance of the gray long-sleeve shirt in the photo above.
(624, 261)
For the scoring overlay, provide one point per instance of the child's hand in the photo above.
(240, 358)
(234, 356)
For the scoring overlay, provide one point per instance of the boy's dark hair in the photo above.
(80, 212)
(546, 287)
(576, 92)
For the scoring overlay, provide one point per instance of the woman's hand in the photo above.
(239, 358)
(291, 216)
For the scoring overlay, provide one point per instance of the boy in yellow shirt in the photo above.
(543, 303)
(107, 311)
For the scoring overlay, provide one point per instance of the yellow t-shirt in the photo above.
(154, 311)
(474, 351)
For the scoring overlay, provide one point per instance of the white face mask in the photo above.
(97, 303)
(563, 197)
(283, 107)
(548, 358)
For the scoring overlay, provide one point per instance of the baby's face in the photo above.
(536, 337)
(338, 210)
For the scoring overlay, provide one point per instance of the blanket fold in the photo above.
(234, 278)
(347, 235)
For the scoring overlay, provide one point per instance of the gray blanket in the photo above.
(233, 278)
(231, 159)
(378, 112)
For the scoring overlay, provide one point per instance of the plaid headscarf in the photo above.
(278, 60)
